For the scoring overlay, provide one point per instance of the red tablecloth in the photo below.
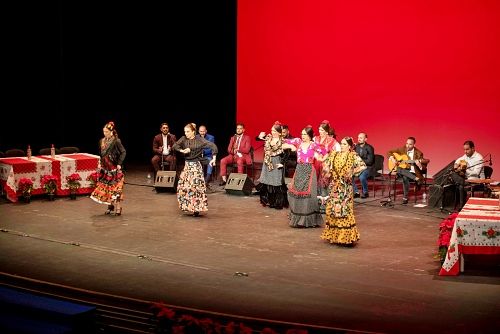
(476, 231)
(12, 169)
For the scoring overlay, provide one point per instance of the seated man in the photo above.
(367, 154)
(162, 148)
(238, 152)
(207, 152)
(468, 166)
(290, 156)
(409, 162)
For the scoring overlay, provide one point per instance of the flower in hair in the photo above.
(111, 123)
(309, 126)
(325, 122)
(277, 123)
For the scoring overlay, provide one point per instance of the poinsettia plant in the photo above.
(445, 231)
(73, 181)
(49, 182)
(93, 177)
(167, 321)
(25, 186)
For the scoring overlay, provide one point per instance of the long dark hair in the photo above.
(349, 141)
(310, 132)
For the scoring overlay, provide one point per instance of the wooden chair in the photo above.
(69, 150)
(15, 152)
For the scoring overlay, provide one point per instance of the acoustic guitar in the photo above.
(462, 166)
(404, 161)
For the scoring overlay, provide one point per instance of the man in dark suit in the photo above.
(162, 148)
(207, 152)
(367, 154)
(238, 152)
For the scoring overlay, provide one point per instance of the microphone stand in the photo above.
(388, 202)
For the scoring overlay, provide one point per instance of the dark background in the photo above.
(73, 66)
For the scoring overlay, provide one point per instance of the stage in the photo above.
(244, 260)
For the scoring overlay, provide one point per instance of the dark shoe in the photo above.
(356, 195)
(110, 209)
(405, 201)
(223, 183)
(365, 195)
(196, 214)
(118, 213)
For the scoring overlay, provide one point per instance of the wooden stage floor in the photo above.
(387, 283)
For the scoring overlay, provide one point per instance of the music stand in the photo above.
(442, 180)
(388, 201)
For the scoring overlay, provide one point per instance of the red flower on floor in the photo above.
(445, 231)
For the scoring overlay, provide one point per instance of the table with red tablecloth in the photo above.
(13, 169)
(476, 231)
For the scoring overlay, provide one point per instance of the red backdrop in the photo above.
(422, 68)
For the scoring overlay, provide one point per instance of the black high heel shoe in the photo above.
(111, 207)
(118, 212)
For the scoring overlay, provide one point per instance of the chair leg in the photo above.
(373, 180)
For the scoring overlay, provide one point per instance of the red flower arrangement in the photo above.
(93, 177)
(166, 321)
(25, 186)
(49, 182)
(445, 231)
(73, 181)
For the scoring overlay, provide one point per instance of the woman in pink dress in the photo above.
(304, 206)
(327, 143)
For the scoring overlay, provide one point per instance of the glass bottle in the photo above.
(28, 152)
(52, 152)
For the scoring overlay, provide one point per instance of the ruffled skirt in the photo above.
(191, 189)
(304, 207)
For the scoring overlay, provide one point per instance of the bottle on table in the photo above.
(28, 152)
(52, 152)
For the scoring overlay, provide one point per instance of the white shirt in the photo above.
(410, 157)
(165, 145)
(476, 160)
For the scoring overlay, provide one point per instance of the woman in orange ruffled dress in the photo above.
(340, 167)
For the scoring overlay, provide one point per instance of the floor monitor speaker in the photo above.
(441, 196)
(239, 184)
(166, 181)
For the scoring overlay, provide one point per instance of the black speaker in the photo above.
(166, 181)
(441, 196)
(239, 184)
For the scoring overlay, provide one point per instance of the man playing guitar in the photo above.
(467, 167)
(408, 162)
